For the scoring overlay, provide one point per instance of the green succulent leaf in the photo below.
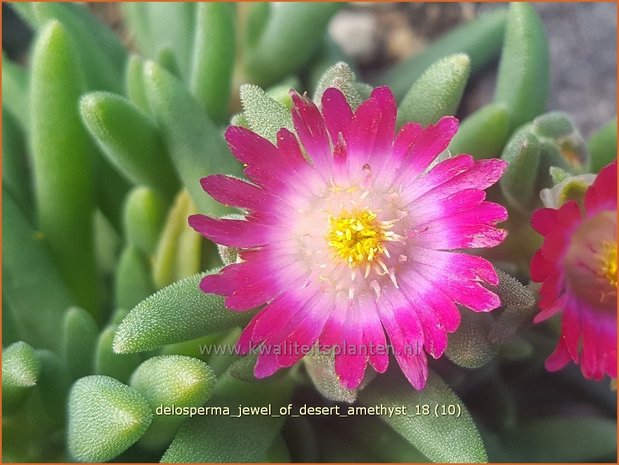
(105, 418)
(212, 63)
(343, 78)
(518, 303)
(144, 217)
(21, 368)
(518, 184)
(15, 93)
(31, 283)
(130, 140)
(53, 387)
(321, 370)
(178, 252)
(111, 363)
(63, 162)
(603, 146)
(223, 438)
(167, 381)
(134, 80)
(437, 92)
(79, 338)
(480, 39)
(264, 114)
(442, 438)
(469, 346)
(100, 51)
(283, 45)
(484, 133)
(523, 79)
(562, 439)
(176, 313)
(15, 163)
(133, 280)
(195, 144)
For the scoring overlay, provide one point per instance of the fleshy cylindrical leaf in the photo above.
(144, 217)
(130, 140)
(212, 63)
(483, 134)
(176, 313)
(15, 163)
(134, 82)
(194, 143)
(518, 183)
(265, 115)
(107, 362)
(441, 438)
(15, 92)
(105, 418)
(283, 45)
(63, 162)
(480, 39)
(79, 338)
(171, 380)
(603, 146)
(21, 368)
(100, 52)
(31, 282)
(437, 92)
(523, 79)
(133, 280)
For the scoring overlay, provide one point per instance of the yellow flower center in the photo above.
(609, 263)
(356, 237)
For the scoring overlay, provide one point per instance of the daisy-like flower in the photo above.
(577, 265)
(351, 234)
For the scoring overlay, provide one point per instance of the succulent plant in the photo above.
(121, 323)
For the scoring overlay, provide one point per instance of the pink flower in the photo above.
(577, 265)
(351, 234)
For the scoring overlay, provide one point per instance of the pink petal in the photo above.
(351, 361)
(310, 127)
(432, 141)
(602, 194)
(233, 233)
(337, 114)
(544, 220)
(373, 334)
(540, 267)
(235, 192)
(406, 336)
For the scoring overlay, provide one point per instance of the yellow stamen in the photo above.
(356, 237)
(609, 263)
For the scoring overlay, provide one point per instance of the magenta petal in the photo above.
(432, 141)
(266, 365)
(235, 192)
(544, 220)
(363, 130)
(244, 343)
(373, 334)
(386, 129)
(337, 114)
(602, 194)
(310, 127)
(233, 233)
(351, 362)
(289, 148)
(406, 336)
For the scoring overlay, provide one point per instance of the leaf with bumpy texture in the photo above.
(442, 438)
(105, 418)
(221, 438)
(176, 313)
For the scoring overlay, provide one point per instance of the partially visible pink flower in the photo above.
(577, 265)
(351, 234)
